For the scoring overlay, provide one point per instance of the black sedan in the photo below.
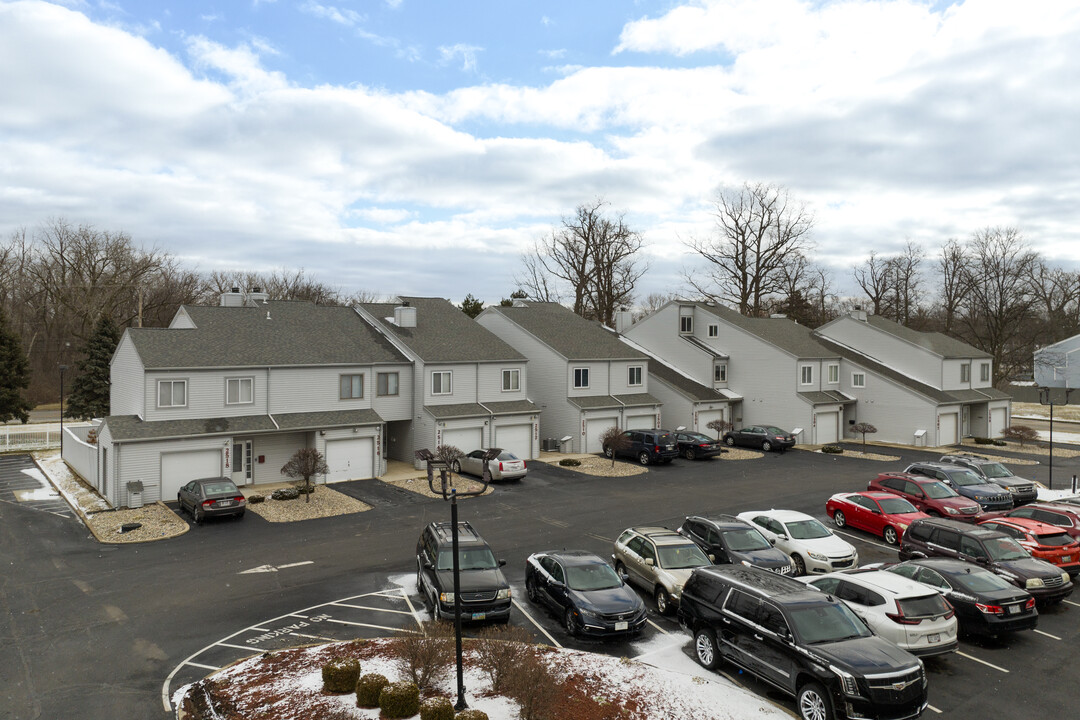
(695, 445)
(584, 592)
(211, 497)
(985, 603)
(766, 437)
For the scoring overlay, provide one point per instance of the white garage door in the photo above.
(180, 468)
(999, 420)
(594, 428)
(640, 422)
(351, 459)
(947, 429)
(704, 418)
(515, 438)
(826, 427)
(464, 439)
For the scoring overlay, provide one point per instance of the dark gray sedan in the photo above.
(766, 437)
(211, 497)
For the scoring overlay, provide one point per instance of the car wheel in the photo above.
(690, 454)
(609, 452)
(568, 621)
(180, 503)
(814, 702)
(620, 569)
(643, 458)
(766, 446)
(838, 519)
(663, 601)
(531, 592)
(198, 515)
(456, 466)
(705, 649)
(730, 441)
(890, 535)
(933, 513)
(800, 564)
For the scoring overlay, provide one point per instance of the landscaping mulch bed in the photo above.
(156, 522)
(325, 502)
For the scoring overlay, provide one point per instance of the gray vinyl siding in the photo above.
(275, 450)
(142, 461)
(893, 409)
(463, 384)
(127, 376)
(817, 367)
(659, 333)
(619, 376)
(205, 394)
(599, 378)
(316, 389)
(489, 382)
(181, 320)
(950, 374)
(677, 408)
(395, 407)
(901, 355)
(767, 378)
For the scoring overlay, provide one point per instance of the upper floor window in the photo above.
(858, 379)
(511, 380)
(581, 377)
(386, 383)
(686, 323)
(239, 391)
(807, 374)
(633, 376)
(172, 393)
(714, 330)
(984, 372)
(834, 374)
(719, 372)
(965, 372)
(441, 383)
(352, 387)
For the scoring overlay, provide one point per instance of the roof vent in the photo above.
(405, 316)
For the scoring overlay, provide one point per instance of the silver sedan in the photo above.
(507, 466)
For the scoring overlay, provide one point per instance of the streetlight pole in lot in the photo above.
(63, 369)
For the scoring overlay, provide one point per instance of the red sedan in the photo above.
(880, 513)
(1043, 541)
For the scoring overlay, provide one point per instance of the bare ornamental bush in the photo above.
(536, 688)
(1021, 433)
(614, 441)
(720, 426)
(424, 656)
(499, 650)
(863, 429)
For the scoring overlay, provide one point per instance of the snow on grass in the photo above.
(75, 491)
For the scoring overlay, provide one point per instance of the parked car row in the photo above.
(658, 446)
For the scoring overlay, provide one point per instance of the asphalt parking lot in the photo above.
(152, 617)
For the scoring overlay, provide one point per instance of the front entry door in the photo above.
(241, 470)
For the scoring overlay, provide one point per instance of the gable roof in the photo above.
(937, 343)
(567, 333)
(277, 333)
(785, 334)
(443, 333)
(683, 384)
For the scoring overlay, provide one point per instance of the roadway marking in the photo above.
(657, 626)
(1072, 603)
(368, 625)
(275, 568)
(1047, 634)
(241, 647)
(859, 537)
(556, 523)
(313, 637)
(374, 609)
(538, 626)
(931, 707)
(972, 657)
(599, 537)
(208, 667)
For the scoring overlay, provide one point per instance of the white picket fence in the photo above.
(15, 437)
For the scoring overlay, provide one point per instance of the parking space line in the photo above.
(931, 707)
(539, 627)
(302, 617)
(556, 523)
(1047, 634)
(259, 629)
(972, 657)
(1071, 603)
(313, 637)
(412, 610)
(871, 542)
(368, 625)
(207, 667)
(391, 595)
(238, 647)
(599, 537)
(657, 626)
(375, 609)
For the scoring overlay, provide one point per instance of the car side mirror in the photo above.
(425, 563)
(650, 562)
(772, 541)
(502, 563)
(712, 558)
(624, 576)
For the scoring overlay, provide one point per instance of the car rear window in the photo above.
(507, 455)
(1054, 539)
(219, 488)
(925, 606)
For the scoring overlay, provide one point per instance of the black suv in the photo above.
(994, 550)
(485, 594)
(648, 446)
(1023, 491)
(967, 482)
(806, 643)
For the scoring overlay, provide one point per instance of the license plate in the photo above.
(224, 503)
(1067, 558)
(622, 625)
(933, 638)
(1012, 609)
(479, 616)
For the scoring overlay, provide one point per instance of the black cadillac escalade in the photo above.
(803, 641)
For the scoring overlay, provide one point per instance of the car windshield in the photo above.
(896, 506)
(1054, 539)
(926, 606)
(674, 557)
(827, 623)
(473, 558)
(995, 470)
(1004, 548)
(775, 430)
(220, 488)
(964, 478)
(597, 576)
(745, 539)
(807, 530)
(978, 581)
(938, 491)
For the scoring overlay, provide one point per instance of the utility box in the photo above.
(135, 491)
(920, 438)
(564, 444)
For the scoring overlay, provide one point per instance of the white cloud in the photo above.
(467, 53)
(341, 16)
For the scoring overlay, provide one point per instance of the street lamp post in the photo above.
(63, 369)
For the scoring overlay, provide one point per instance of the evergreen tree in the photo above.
(14, 375)
(90, 392)
(471, 306)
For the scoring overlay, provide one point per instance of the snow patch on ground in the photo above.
(44, 493)
(75, 492)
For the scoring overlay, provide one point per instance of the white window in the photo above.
(386, 383)
(858, 380)
(807, 372)
(686, 323)
(581, 377)
(633, 376)
(834, 374)
(352, 387)
(984, 372)
(714, 331)
(511, 380)
(441, 383)
(965, 372)
(172, 393)
(238, 391)
(719, 372)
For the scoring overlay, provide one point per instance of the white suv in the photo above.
(812, 547)
(908, 614)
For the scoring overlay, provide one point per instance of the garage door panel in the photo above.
(947, 425)
(594, 428)
(464, 439)
(515, 438)
(707, 416)
(351, 459)
(180, 468)
(999, 420)
(640, 422)
(826, 424)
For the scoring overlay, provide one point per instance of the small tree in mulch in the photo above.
(615, 440)
(423, 657)
(863, 429)
(305, 463)
(448, 454)
(720, 426)
(1020, 433)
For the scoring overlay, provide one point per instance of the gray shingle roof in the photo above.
(131, 427)
(457, 410)
(935, 342)
(826, 397)
(595, 402)
(327, 419)
(568, 334)
(785, 334)
(637, 399)
(444, 334)
(510, 407)
(297, 333)
(939, 396)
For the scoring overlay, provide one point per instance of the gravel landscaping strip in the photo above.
(419, 485)
(157, 522)
(324, 503)
(1040, 448)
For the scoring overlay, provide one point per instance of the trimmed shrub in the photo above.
(535, 688)
(569, 462)
(423, 657)
(471, 714)
(285, 493)
(499, 650)
(255, 499)
(832, 449)
(399, 700)
(436, 708)
(1000, 443)
(340, 675)
(368, 688)
(304, 489)
(983, 441)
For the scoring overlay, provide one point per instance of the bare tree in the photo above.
(864, 429)
(614, 441)
(303, 465)
(907, 281)
(1057, 294)
(759, 228)
(652, 303)
(875, 277)
(952, 265)
(720, 426)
